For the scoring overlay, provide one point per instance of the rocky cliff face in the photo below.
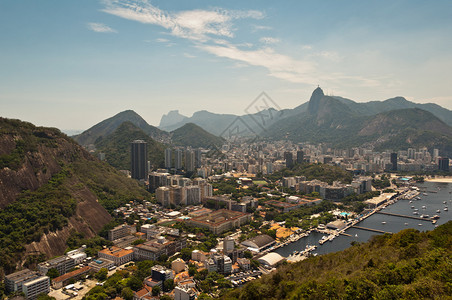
(89, 218)
(59, 176)
(37, 166)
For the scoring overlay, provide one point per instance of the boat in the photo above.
(423, 207)
(406, 224)
(419, 224)
(383, 222)
(415, 213)
(444, 202)
(424, 216)
(446, 209)
(435, 217)
(438, 211)
(425, 194)
(356, 235)
(412, 207)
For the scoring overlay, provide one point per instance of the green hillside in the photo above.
(191, 135)
(406, 265)
(49, 185)
(116, 146)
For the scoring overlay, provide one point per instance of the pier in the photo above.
(404, 216)
(370, 229)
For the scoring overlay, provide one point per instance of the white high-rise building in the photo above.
(168, 158)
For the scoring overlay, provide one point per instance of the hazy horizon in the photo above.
(72, 64)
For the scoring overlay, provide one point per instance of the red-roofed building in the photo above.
(118, 255)
(63, 280)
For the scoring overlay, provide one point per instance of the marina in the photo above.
(385, 218)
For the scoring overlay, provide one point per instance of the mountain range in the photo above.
(393, 124)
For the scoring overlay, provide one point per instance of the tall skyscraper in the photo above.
(443, 164)
(300, 156)
(394, 161)
(189, 160)
(139, 159)
(168, 158)
(289, 159)
(198, 158)
(178, 159)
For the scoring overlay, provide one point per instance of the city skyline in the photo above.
(70, 65)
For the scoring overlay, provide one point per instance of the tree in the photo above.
(53, 273)
(101, 274)
(137, 242)
(192, 270)
(134, 283)
(44, 296)
(127, 293)
(156, 290)
(166, 297)
(168, 285)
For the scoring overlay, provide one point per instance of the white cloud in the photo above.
(189, 55)
(269, 40)
(99, 27)
(162, 40)
(191, 24)
(260, 27)
(211, 31)
(278, 65)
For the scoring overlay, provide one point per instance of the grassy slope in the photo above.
(406, 265)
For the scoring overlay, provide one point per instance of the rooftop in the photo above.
(116, 251)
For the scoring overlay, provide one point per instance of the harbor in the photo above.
(388, 217)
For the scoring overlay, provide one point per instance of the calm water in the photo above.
(432, 202)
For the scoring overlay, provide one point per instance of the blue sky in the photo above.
(71, 64)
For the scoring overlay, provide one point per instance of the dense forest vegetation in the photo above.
(406, 265)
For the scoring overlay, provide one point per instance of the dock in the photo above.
(370, 229)
(404, 216)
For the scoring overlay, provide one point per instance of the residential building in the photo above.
(394, 161)
(62, 264)
(119, 231)
(168, 158)
(31, 283)
(178, 159)
(178, 265)
(443, 164)
(184, 293)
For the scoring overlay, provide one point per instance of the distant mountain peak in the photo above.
(171, 118)
(314, 101)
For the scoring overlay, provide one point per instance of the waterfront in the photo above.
(437, 192)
